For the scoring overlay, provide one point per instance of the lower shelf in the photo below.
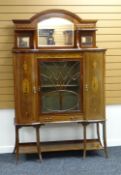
(60, 146)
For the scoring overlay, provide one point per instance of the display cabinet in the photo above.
(59, 76)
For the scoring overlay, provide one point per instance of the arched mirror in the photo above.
(55, 31)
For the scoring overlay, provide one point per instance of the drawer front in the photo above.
(61, 118)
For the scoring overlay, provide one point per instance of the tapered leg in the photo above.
(38, 142)
(14, 150)
(85, 139)
(98, 132)
(104, 139)
(17, 143)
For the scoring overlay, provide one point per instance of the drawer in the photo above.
(61, 118)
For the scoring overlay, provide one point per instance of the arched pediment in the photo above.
(55, 13)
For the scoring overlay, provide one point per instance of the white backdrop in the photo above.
(58, 131)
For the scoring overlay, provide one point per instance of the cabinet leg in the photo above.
(14, 150)
(85, 139)
(98, 133)
(17, 143)
(104, 139)
(38, 142)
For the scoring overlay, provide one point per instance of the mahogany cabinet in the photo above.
(58, 70)
(59, 86)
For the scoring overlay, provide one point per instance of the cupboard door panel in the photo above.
(60, 85)
(24, 83)
(94, 85)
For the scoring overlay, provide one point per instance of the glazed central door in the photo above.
(60, 86)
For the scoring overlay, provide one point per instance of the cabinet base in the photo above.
(84, 145)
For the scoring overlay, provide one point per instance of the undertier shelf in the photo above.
(60, 146)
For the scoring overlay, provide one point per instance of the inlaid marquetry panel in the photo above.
(25, 98)
(94, 85)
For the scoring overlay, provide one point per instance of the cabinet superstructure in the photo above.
(59, 72)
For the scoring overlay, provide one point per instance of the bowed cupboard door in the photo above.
(25, 89)
(94, 85)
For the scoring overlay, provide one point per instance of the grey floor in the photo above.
(63, 163)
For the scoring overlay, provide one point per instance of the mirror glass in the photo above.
(55, 32)
(87, 41)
